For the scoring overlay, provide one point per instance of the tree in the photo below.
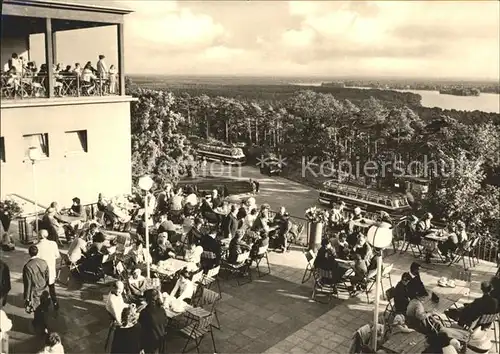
(158, 148)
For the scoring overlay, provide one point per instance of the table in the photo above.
(345, 263)
(172, 266)
(406, 343)
(363, 222)
(446, 301)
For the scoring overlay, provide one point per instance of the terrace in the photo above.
(27, 82)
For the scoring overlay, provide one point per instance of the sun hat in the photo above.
(443, 281)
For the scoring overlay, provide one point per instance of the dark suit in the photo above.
(229, 226)
(153, 320)
(212, 252)
(466, 315)
(4, 282)
(415, 287)
(35, 279)
(401, 298)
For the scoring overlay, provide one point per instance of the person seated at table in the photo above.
(462, 235)
(401, 297)
(325, 260)
(195, 234)
(424, 225)
(399, 325)
(441, 343)
(91, 232)
(56, 229)
(415, 286)
(208, 213)
(362, 338)
(215, 199)
(337, 219)
(115, 302)
(153, 320)
(193, 255)
(137, 286)
(416, 315)
(76, 208)
(385, 218)
(184, 287)
(357, 215)
(127, 336)
(77, 248)
(249, 220)
(262, 241)
(177, 206)
(352, 238)
(363, 261)
(484, 305)
(93, 261)
(341, 245)
(212, 250)
(166, 225)
(101, 203)
(162, 251)
(450, 243)
(237, 247)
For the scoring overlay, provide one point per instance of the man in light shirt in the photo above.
(102, 68)
(49, 252)
(115, 303)
(137, 285)
(77, 248)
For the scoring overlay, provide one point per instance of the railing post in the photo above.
(77, 85)
(49, 60)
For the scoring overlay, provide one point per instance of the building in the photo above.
(83, 136)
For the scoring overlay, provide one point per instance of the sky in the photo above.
(431, 39)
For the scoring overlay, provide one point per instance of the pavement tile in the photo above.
(278, 318)
(253, 332)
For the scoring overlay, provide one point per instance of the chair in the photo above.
(485, 322)
(390, 310)
(111, 331)
(463, 251)
(310, 257)
(371, 279)
(415, 248)
(262, 255)
(320, 287)
(196, 330)
(208, 300)
(210, 278)
(241, 269)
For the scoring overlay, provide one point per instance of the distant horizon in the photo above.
(324, 77)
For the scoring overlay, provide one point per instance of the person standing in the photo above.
(35, 279)
(4, 282)
(153, 321)
(49, 252)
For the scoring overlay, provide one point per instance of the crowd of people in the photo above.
(25, 78)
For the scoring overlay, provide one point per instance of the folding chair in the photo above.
(196, 330)
(371, 279)
(465, 276)
(319, 287)
(208, 301)
(473, 252)
(415, 248)
(196, 279)
(485, 322)
(310, 257)
(262, 255)
(462, 252)
(241, 269)
(390, 310)
(210, 278)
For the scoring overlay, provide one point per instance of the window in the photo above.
(40, 141)
(76, 141)
(2, 149)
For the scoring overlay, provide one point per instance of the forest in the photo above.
(308, 123)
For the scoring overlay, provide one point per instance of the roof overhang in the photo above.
(64, 12)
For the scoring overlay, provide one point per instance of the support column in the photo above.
(54, 47)
(121, 59)
(49, 59)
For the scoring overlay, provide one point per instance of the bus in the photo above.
(333, 192)
(224, 154)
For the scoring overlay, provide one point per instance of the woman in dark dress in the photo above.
(153, 320)
(127, 337)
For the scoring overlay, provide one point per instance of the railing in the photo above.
(19, 86)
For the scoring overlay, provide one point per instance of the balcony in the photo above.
(29, 85)
(22, 82)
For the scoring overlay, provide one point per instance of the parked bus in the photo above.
(224, 154)
(395, 204)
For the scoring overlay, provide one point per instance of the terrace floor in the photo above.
(274, 314)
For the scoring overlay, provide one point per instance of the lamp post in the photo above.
(380, 237)
(146, 183)
(34, 156)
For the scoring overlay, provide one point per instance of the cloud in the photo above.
(165, 23)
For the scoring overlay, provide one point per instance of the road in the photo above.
(276, 191)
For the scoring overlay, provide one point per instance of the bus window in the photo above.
(396, 203)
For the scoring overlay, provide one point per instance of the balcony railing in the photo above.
(14, 86)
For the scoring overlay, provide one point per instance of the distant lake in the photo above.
(486, 102)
